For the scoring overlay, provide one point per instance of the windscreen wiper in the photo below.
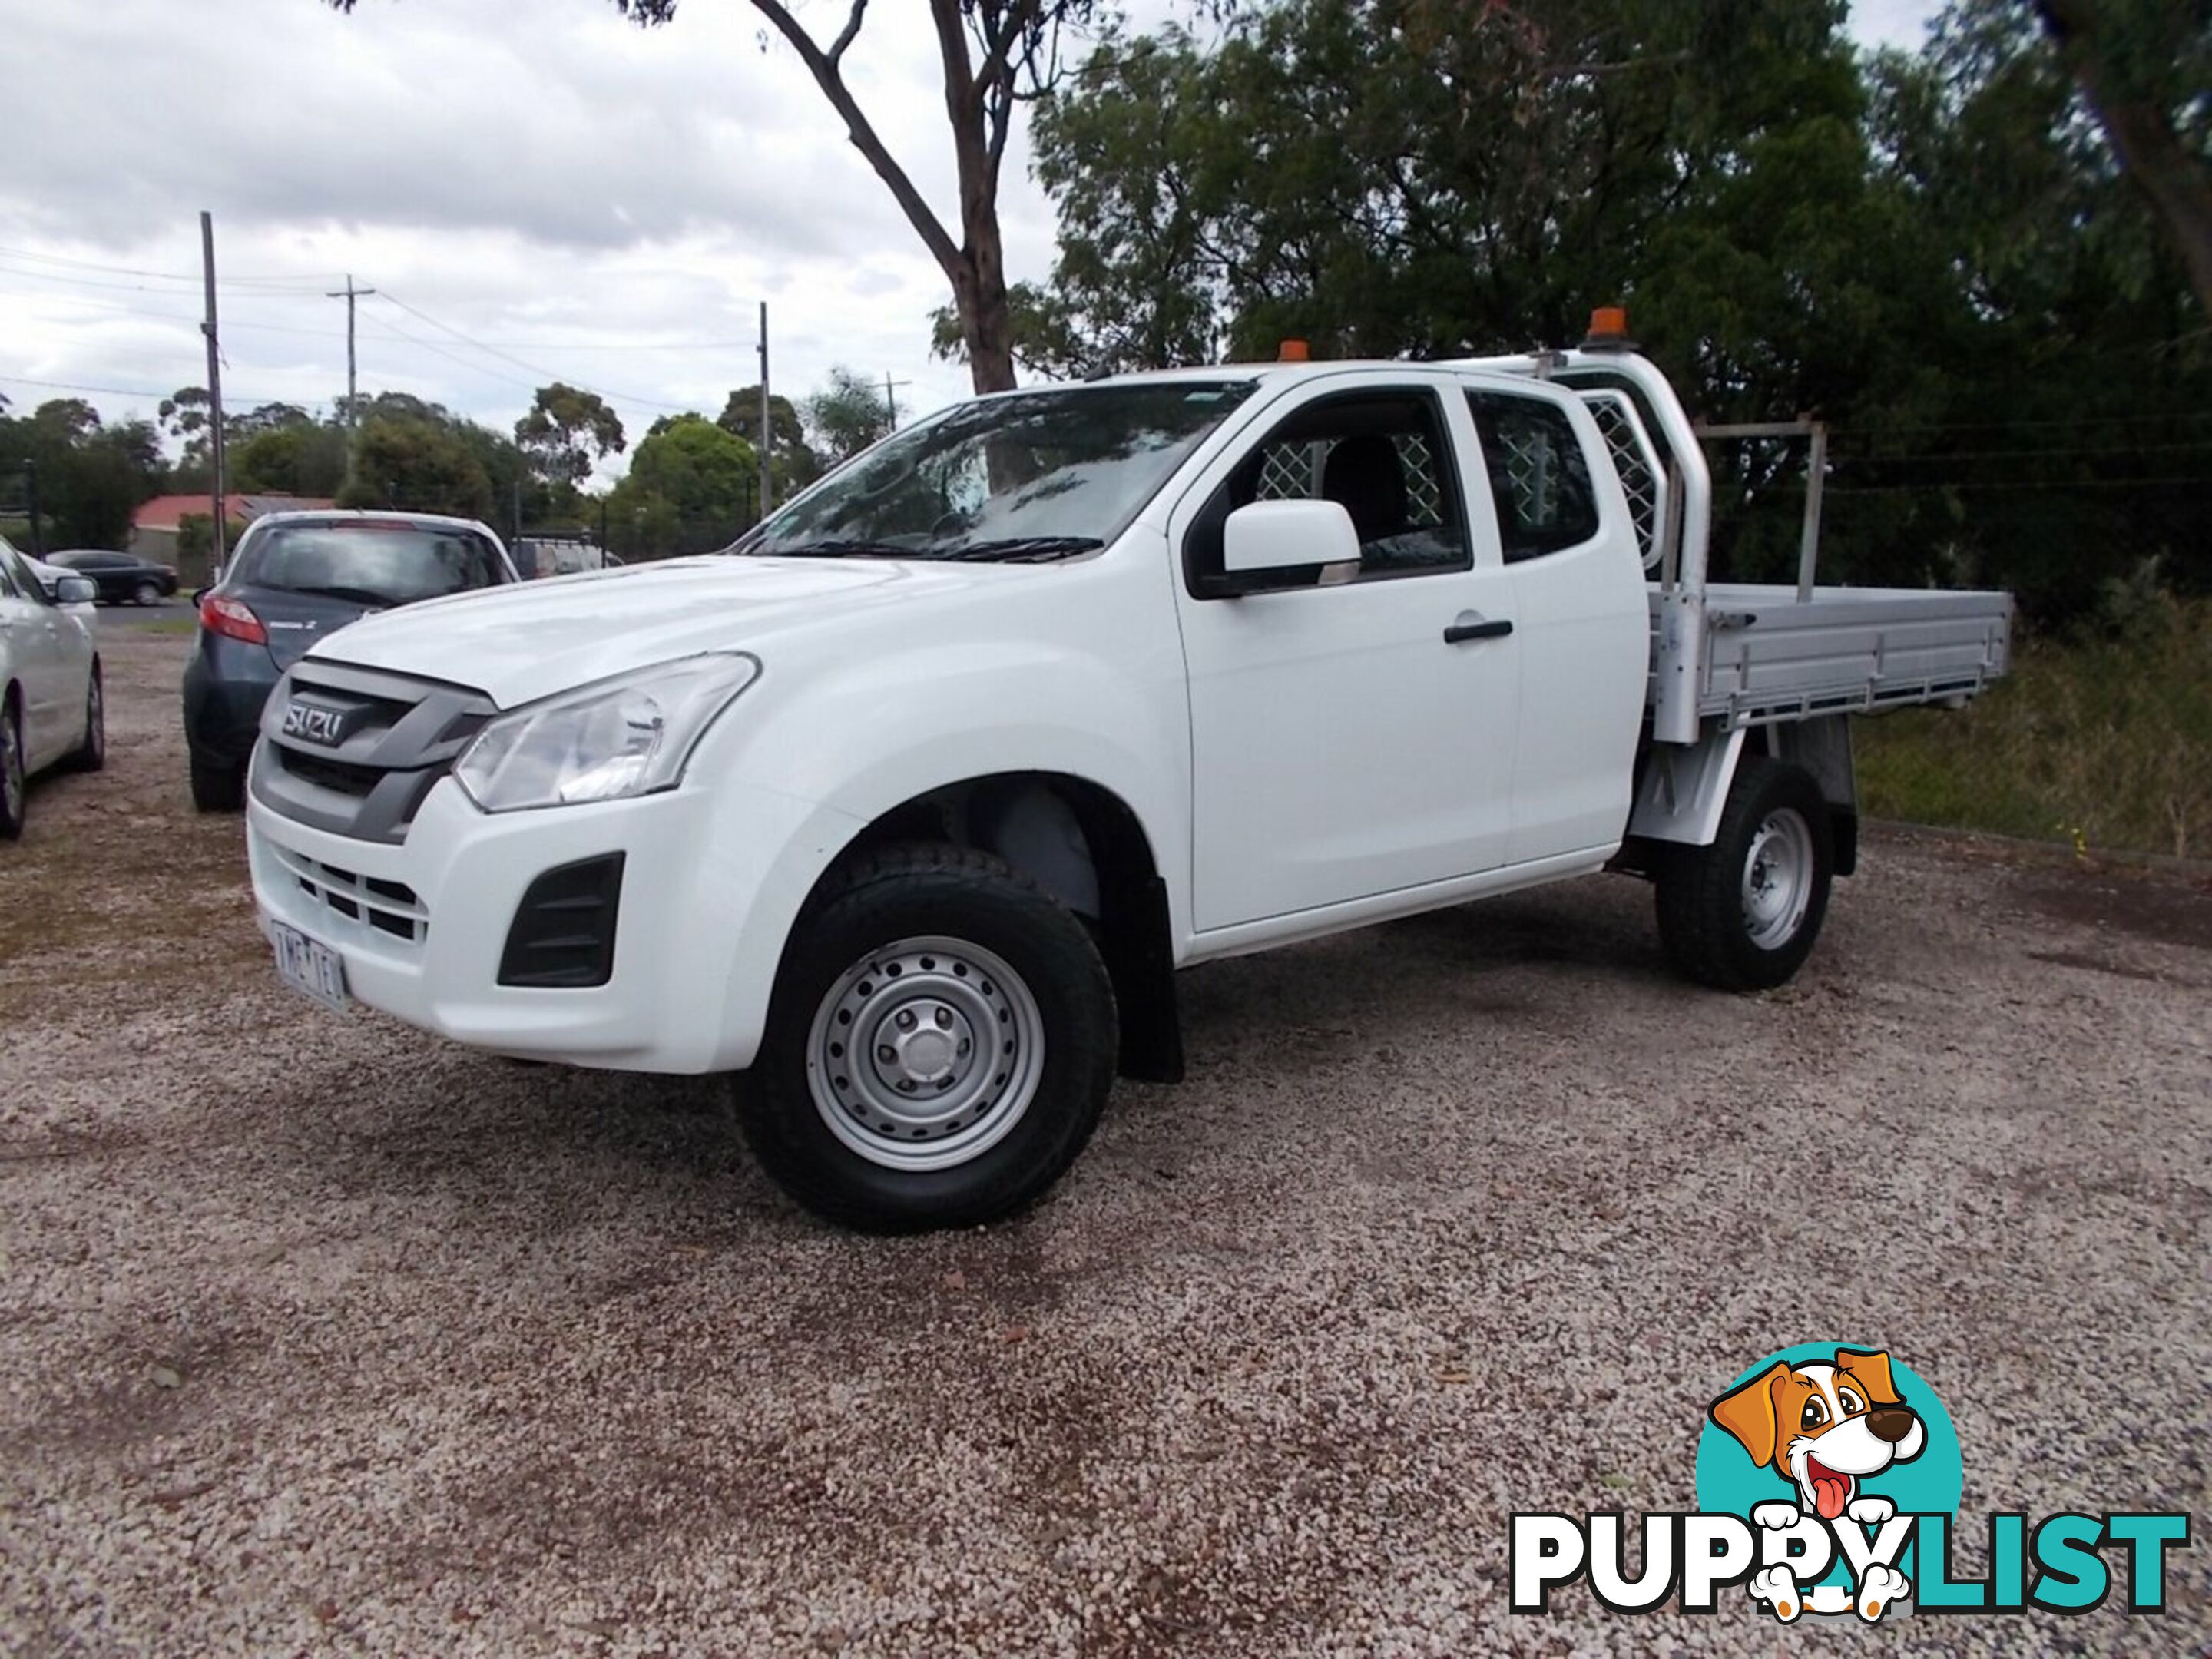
(837, 549)
(1026, 549)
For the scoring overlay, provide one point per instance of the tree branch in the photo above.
(845, 35)
(2172, 178)
(859, 130)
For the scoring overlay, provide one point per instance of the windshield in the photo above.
(373, 564)
(1035, 475)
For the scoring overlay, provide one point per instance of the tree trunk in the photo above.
(986, 320)
(2174, 181)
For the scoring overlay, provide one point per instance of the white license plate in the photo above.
(312, 968)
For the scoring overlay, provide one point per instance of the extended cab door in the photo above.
(1581, 615)
(1342, 746)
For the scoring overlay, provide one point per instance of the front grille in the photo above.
(334, 775)
(369, 902)
(392, 737)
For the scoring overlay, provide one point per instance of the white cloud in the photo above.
(573, 190)
(601, 203)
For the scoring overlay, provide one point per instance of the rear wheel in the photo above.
(13, 786)
(1742, 914)
(92, 754)
(939, 1046)
(217, 788)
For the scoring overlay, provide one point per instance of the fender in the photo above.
(918, 721)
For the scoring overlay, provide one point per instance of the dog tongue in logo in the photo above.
(1831, 1490)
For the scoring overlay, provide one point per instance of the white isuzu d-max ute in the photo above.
(910, 807)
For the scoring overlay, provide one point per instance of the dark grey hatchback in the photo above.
(295, 579)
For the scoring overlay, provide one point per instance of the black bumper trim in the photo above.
(562, 936)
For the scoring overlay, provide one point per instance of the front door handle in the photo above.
(1473, 625)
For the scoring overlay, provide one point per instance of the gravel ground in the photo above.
(317, 1335)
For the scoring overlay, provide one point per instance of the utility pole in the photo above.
(31, 491)
(349, 294)
(216, 549)
(768, 432)
(890, 403)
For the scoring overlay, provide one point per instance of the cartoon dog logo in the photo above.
(1826, 1429)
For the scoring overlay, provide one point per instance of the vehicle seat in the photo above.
(1364, 475)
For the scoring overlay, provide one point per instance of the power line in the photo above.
(143, 391)
(602, 392)
(2106, 452)
(2023, 483)
(170, 316)
(393, 332)
(308, 278)
(269, 290)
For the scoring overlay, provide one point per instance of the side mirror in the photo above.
(1268, 541)
(74, 590)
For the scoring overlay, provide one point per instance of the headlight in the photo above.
(628, 736)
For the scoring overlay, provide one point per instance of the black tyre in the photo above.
(217, 788)
(147, 593)
(1742, 914)
(940, 1042)
(91, 755)
(14, 775)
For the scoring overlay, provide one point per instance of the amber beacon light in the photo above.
(1608, 330)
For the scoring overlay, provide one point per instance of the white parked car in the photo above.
(51, 710)
(911, 811)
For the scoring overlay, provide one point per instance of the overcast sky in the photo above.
(572, 197)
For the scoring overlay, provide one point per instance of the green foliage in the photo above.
(566, 431)
(196, 543)
(89, 477)
(847, 416)
(302, 457)
(692, 486)
(792, 464)
(2105, 740)
(1939, 255)
(418, 464)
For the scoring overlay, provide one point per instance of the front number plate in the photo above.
(309, 967)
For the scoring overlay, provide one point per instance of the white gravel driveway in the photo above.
(318, 1335)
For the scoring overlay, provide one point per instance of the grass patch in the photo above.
(2106, 744)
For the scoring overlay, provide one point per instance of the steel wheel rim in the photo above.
(926, 1053)
(11, 765)
(1778, 879)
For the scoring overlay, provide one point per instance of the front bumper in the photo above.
(710, 882)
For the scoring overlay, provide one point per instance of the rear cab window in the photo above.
(372, 561)
(1540, 478)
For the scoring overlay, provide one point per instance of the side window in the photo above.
(1384, 456)
(1539, 475)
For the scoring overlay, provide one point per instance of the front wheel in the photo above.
(13, 785)
(91, 755)
(939, 1046)
(147, 593)
(1742, 914)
